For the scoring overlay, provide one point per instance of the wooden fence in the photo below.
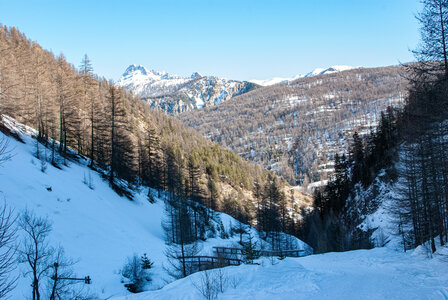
(201, 263)
(233, 252)
(228, 256)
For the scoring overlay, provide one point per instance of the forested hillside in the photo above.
(392, 184)
(124, 140)
(296, 128)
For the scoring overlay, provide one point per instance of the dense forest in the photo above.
(342, 204)
(131, 145)
(406, 153)
(296, 128)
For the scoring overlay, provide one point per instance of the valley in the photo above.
(296, 128)
(292, 126)
(246, 176)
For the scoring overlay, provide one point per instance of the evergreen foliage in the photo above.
(249, 250)
(419, 132)
(331, 226)
(146, 262)
(136, 272)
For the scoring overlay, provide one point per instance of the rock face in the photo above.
(174, 94)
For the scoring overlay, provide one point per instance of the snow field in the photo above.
(96, 227)
(380, 273)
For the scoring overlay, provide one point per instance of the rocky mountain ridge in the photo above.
(174, 94)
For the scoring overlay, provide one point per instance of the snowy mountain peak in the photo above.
(175, 94)
(139, 71)
(195, 75)
(275, 80)
(134, 69)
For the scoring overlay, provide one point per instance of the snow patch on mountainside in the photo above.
(275, 80)
(315, 72)
(330, 70)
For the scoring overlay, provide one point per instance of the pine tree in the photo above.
(68, 115)
(249, 251)
(357, 157)
(146, 262)
(213, 193)
(258, 195)
(121, 147)
(153, 164)
(340, 182)
(432, 51)
(89, 101)
(178, 224)
(194, 194)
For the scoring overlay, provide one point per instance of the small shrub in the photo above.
(136, 272)
(249, 250)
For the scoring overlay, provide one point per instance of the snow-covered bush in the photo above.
(208, 285)
(136, 272)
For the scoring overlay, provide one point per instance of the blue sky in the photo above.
(234, 39)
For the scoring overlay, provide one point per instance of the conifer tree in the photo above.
(121, 151)
(153, 149)
(65, 95)
(432, 52)
(357, 157)
(89, 101)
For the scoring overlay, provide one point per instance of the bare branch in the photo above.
(8, 250)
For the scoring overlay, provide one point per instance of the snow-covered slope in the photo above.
(380, 273)
(175, 94)
(274, 80)
(330, 70)
(96, 227)
(150, 83)
(315, 72)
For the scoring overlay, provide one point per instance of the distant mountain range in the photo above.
(316, 72)
(174, 94)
